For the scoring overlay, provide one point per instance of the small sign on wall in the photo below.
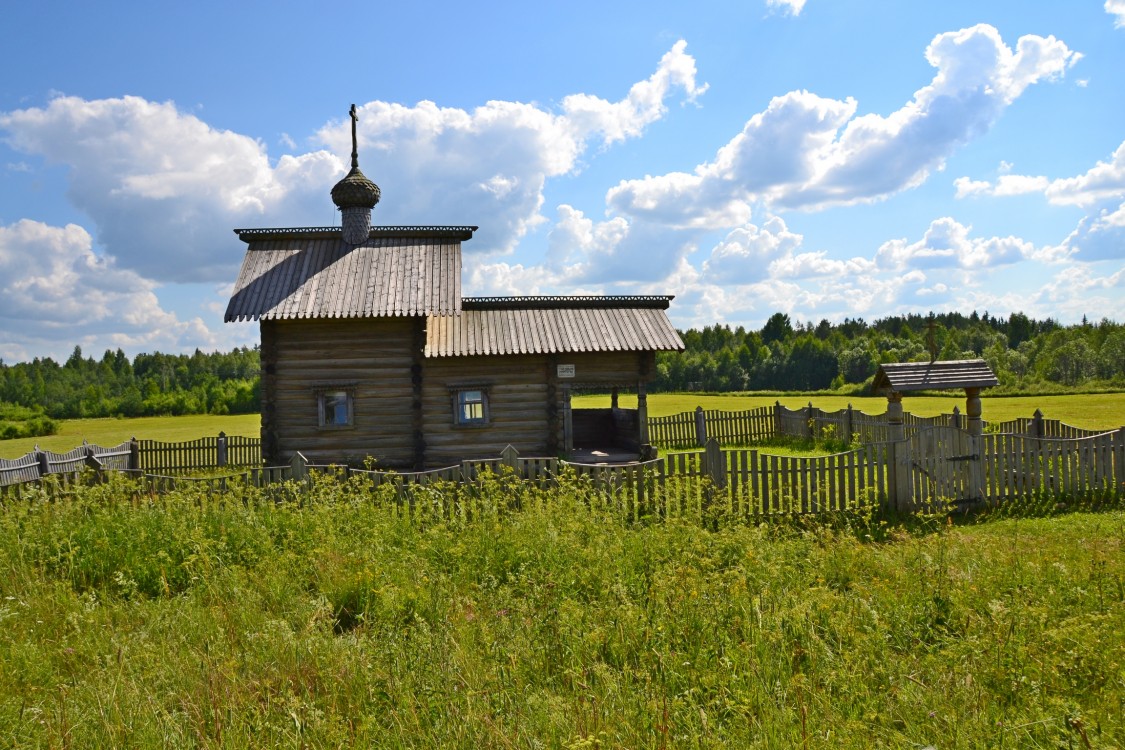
(566, 371)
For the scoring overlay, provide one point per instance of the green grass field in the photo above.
(1092, 411)
(108, 432)
(185, 622)
(1098, 411)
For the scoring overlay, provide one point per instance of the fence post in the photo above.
(714, 463)
(134, 455)
(700, 426)
(956, 420)
(849, 422)
(221, 450)
(509, 457)
(299, 466)
(809, 428)
(901, 483)
(777, 429)
(44, 466)
(1037, 424)
(1118, 452)
(98, 467)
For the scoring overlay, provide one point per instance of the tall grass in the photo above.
(350, 619)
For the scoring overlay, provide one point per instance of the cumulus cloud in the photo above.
(947, 244)
(806, 151)
(55, 288)
(1116, 8)
(164, 189)
(488, 167)
(786, 7)
(1104, 181)
(746, 254)
(1100, 235)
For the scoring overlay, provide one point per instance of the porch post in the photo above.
(642, 412)
(973, 411)
(568, 421)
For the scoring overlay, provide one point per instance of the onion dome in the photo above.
(355, 196)
(355, 190)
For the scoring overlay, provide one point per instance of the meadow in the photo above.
(1092, 411)
(249, 621)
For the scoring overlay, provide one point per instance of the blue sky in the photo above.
(827, 159)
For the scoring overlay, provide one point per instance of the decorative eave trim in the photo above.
(566, 302)
(324, 233)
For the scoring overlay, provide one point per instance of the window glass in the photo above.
(334, 405)
(471, 407)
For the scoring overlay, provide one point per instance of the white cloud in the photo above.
(746, 254)
(488, 167)
(947, 244)
(1099, 236)
(806, 151)
(1104, 181)
(1116, 8)
(787, 7)
(55, 292)
(164, 189)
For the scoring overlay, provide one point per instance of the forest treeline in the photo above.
(1027, 355)
(32, 394)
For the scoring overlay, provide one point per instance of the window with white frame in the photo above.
(334, 408)
(470, 406)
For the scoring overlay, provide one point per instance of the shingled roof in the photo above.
(552, 325)
(931, 376)
(313, 273)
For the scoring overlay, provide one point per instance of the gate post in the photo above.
(41, 459)
(714, 463)
(900, 484)
(134, 455)
(1037, 424)
(700, 427)
(298, 466)
(221, 450)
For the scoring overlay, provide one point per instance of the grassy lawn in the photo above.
(1092, 411)
(108, 432)
(341, 623)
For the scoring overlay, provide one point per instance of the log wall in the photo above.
(520, 389)
(402, 406)
(370, 357)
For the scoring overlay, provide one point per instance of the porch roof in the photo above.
(903, 377)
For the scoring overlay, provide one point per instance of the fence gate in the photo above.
(945, 467)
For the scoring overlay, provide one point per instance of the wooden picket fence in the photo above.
(692, 429)
(935, 466)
